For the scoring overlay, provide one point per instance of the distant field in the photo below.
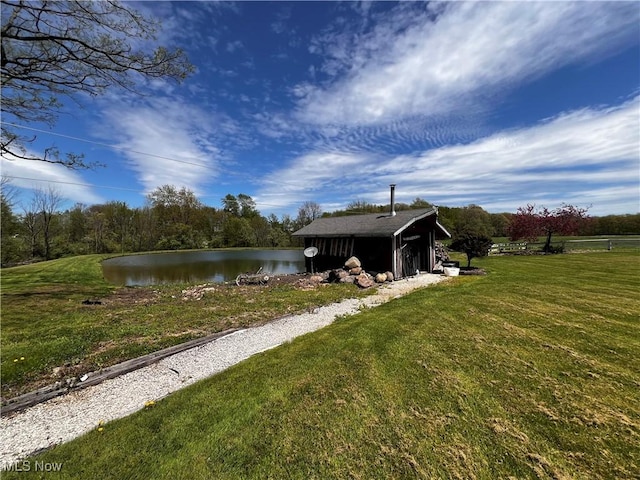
(532, 371)
(576, 243)
(561, 238)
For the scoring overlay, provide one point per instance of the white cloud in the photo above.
(574, 156)
(33, 175)
(308, 176)
(587, 138)
(165, 141)
(471, 50)
(590, 156)
(235, 45)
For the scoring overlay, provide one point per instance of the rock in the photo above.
(355, 271)
(336, 275)
(316, 279)
(348, 279)
(197, 292)
(381, 278)
(353, 262)
(363, 280)
(389, 276)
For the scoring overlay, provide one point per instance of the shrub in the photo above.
(472, 245)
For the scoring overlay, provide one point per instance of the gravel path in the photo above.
(64, 418)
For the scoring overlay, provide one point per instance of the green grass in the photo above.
(529, 372)
(48, 334)
(584, 243)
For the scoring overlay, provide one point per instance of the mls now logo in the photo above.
(28, 466)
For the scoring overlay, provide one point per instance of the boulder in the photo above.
(381, 278)
(355, 271)
(352, 262)
(337, 275)
(363, 280)
(348, 279)
(389, 276)
(316, 279)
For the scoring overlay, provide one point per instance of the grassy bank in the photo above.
(48, 333)
(529, 372)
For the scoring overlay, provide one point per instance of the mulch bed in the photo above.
(472, 271)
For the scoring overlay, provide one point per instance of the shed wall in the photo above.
(374, 253)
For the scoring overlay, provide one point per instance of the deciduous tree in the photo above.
(231, 205)
(530, 222)
(472, 232)
(9, 227)
(473, 220)
(420, 203)
(307, 213)
(52, 50)
(45, 205)
(472, 245)
(247, 206)
(119, 218)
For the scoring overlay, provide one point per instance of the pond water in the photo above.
(199, 266)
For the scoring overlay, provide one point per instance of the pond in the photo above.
(199, 266)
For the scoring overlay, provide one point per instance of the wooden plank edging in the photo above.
(94, 378)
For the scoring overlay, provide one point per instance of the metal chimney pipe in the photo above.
(393, 199)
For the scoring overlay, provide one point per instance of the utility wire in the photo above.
(124, 149)
(116, 147)
(153, 155)
(70, 183)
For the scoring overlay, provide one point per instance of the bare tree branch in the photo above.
(55, 50)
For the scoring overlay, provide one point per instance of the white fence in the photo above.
(497, 248)
(569, 245)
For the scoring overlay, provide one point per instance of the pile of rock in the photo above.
(354, 273)
(197, 292)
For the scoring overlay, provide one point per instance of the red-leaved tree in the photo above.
(530, 223)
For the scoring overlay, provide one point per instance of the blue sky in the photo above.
(497, 104)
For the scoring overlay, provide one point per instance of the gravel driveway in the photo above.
(69, 416)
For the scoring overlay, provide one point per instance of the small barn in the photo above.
(400, 242)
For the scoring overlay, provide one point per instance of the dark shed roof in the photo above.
(369, 225)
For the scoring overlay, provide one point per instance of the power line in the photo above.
(245, 175)
(116, 147)
(153, 155)
(70, 183)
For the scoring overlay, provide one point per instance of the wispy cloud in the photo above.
(309, 176)
(589, 156)
(447, 61)
(165, 141)
(33, 175)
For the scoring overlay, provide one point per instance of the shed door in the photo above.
(410, 258)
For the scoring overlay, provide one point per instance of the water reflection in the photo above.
(200, 266)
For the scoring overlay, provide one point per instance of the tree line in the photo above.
(171, 219)
(474, 217)
(175, 219)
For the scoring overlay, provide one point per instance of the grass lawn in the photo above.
(49, 334)
(532, 371)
